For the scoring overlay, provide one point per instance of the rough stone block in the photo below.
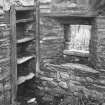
(7, 98)
(7, 86)
(1, 88)
(2, 100)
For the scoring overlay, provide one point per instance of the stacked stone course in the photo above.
(5, 80)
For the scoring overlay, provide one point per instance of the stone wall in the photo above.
(51, 39)
(71, 81)
(99, 39)
(5, 83)
(97, 43)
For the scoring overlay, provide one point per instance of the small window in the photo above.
(79, 40)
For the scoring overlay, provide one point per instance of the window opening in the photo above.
(79, 38)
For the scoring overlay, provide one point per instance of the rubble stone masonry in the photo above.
(63, 78)
(5, 84)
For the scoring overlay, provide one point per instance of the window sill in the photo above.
(76, 53)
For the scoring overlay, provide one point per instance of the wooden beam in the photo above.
(37, 37)
(13, 61)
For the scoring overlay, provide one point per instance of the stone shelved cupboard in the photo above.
(17, 27)
(22, 55)
(96, 57)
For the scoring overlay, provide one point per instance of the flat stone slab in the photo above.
(80, 67)
(71, 66)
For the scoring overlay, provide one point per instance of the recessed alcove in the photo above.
(78, 31)
(77, 36)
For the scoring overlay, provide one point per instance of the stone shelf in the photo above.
(24, 40)
(24, 8)
(24, 59)
(22, 79)
(76, 53)
(24, 20)
(4, 60)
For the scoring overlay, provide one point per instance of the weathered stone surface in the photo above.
(98, 48)
(7, 97)
(70, 6)
(90, 81)
(64, 75)
(48, 98)
(5, 85)
(1, 99)
(51, 39)
(52, 84)
(1, 88)
(60, 78)
(63, 85)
